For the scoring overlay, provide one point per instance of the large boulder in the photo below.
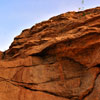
(58, 59)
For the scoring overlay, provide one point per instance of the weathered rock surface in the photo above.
(58, 59)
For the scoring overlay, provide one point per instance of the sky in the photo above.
(17, 15)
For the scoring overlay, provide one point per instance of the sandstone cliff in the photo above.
(58, 59)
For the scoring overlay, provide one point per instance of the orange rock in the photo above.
(58, 59)
(1, 55)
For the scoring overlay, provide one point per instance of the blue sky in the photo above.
(16, 15)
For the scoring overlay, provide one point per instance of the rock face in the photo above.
(1, 55)
(58, 59)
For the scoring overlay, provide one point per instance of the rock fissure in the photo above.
(91, 90)
(28, 88)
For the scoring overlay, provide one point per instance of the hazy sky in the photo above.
(16, 15)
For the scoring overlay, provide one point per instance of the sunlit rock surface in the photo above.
(58, 59)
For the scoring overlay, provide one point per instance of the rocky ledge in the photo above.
(58, 59)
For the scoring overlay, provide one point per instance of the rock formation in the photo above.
(58, 59)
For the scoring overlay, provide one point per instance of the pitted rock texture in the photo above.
(58, 59)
